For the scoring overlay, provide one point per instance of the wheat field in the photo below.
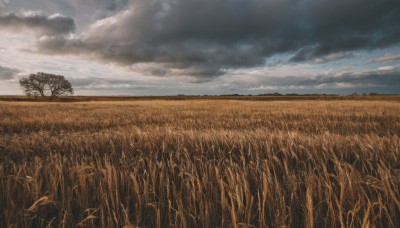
(200, 163)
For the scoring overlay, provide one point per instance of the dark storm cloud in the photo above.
(202, 38)
(38, 23)
(7, 73)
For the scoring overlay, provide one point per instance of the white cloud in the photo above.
(277, 88)
(388, 68)
(332, 57)
(386, 58)
(333, 85)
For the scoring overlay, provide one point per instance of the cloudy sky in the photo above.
(170, 47)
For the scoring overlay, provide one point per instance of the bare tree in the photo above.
(46, 85)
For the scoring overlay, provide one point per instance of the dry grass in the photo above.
(200, 164)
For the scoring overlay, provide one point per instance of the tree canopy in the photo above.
(46, 85)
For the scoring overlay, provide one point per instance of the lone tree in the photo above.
(46, 85)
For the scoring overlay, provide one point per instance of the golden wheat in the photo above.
(200, 163)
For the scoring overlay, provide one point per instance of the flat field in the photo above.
(200, 163)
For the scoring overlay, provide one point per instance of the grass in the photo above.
(200, 163)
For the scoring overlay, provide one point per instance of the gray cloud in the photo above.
(7, 73)
(382, 77)
(42, 25)
(84, 12)
(202, 38)
(3, 2)
(384, 80)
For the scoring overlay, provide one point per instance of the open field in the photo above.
(200, 163)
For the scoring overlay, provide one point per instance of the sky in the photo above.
(198, 47)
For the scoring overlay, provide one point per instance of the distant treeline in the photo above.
(259, 97)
